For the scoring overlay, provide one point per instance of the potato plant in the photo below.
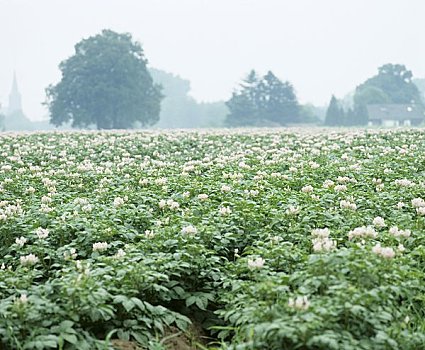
(265, 238)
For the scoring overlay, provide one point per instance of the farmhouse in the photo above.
(395, 115)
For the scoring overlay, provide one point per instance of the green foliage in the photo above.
(179, 110)
(335, 113)
(263, 101)
(420, 83)
(392, 84)
(310, 114)
(396, 82)
(109, 236)
(361, 115)
(243, 105)
(371, 95)
(106, 84)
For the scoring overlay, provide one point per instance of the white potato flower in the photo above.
(21, 241)
(420, 211)
(118, 201)
(362, 232)
(340, 188)
(100, 246)
(257, 263)
(418, 203)
(300, 303)
(29, 260)
(42, 233)
(225, 188)
(385, 252)
(379, 222)
(202, 196)
(225, 211)
(292, 210)
(307, 189)
(344, 204)
(189, 230)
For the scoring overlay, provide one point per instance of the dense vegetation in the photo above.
(267, 239)
(263, 101)
(105, 84)
(180, 110)
(392, 85)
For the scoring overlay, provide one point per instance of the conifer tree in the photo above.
(334, 114)
(263, 101)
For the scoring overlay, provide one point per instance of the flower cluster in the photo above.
(385, 252)
(300, 303)
(344, 204)
(202, 197)
(418, 202)
(189, 230)
(404, 183)
(362, 232)
(225, 188)
(171, 204)
(396, 232)
(307, 189)
(118, 201)
(257, 263)
(321, 241)
(225, 211)
(42, 233)
(29, 259)
(292, 210)
(379, 222)
(21, 241)
(239, 204)
(100, 246)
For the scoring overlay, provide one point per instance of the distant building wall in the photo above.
(390, 123)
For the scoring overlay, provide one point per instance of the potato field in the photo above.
(228, 239)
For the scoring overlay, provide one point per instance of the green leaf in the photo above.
(70, 338)
(201, 303)
(191, 300)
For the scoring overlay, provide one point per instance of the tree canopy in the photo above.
(392, 84)
(263, 101)
(105, 83)
(335, 113)
(371, 95)
(420, 83)
(180, 110)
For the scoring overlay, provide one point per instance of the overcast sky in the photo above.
(322, 47)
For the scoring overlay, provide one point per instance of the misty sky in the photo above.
(322, 47)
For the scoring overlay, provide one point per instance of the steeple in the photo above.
(15, 103)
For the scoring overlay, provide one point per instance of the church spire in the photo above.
(15, 103)
(15, 83)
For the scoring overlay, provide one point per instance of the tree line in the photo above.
(392, 84)
(106, 84)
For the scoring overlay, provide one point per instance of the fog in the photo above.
(322, 47)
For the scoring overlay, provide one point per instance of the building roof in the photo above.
(395, 112)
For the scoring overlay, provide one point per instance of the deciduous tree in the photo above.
(105, 83)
